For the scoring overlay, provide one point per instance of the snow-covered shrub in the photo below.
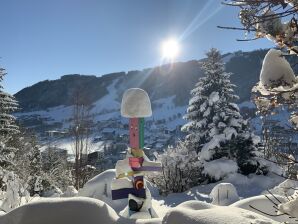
(56, 172)
(224, 194)
(14, 191)
(27, 160)
(180, 170)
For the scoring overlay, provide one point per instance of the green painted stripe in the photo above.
(141, 133)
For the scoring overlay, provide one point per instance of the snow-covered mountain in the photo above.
(47, 105)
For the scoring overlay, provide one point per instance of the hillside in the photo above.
(159, 82)
(47, 105)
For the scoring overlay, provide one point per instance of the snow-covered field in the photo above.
(93, 204)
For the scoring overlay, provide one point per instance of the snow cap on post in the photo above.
(135, 104)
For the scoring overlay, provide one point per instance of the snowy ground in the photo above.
(192, 206)
(94, 205)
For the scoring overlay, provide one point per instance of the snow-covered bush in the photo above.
(56, 172)
(224, 194)
(14, 191)
(180, 170)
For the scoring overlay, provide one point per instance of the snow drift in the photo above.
(263, 204)
(61, 211)
(195, 212)
(99, 187)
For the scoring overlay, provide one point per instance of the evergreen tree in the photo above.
(8, 104)
(9, 181)
(214, 120)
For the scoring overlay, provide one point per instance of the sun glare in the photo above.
(170, 49)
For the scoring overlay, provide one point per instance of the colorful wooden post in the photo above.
(130, 182)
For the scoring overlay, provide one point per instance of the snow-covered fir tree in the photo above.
(9, 180)
(214, 122)
(8, 104)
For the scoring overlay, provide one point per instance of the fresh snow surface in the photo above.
(80, 210)
(263, 204)
(247, 186)
(224, 194)
(220, 168)
(99, 187)
(290, 207)
(70, 192)
(62, 211)
(69, 145)
(286, 188)
(195, 212)
(135, 103)
(108, 102)
(67, 210)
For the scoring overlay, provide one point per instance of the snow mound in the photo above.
(220, 168)
(70, 192)
(276, 70)
(61, 211)
(200, 213)
(224, 194)
(135, 103)
(290, 207)
(263, 204)
(286, 188)
(99, 187)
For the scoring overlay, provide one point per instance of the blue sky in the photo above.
(45, 39)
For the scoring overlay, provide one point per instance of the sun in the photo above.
(170, 49)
